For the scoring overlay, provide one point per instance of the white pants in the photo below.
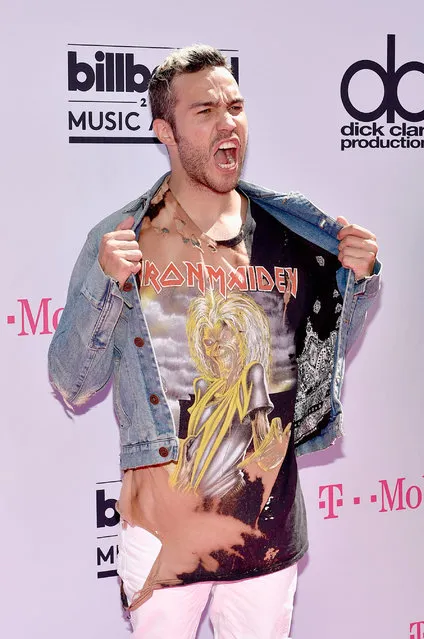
(256, 608)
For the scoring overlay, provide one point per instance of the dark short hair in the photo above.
(187, 60)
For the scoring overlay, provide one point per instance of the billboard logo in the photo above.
(404, 136)
(111, 72)
(107, 520)
(107, 92)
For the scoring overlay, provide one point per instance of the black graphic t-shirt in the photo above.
(229, 322)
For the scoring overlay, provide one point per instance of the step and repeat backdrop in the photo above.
(335, 99)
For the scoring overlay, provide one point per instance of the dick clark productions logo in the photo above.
(393, 134)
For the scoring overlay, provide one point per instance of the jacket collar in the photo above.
(292, 204)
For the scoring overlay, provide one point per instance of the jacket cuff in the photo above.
(369, 286)
(97, 285)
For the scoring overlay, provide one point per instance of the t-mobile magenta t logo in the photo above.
(416, 629)
(331, 497)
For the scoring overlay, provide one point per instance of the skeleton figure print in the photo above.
(229, 340)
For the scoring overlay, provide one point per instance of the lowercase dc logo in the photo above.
(390, 119)
(107, 92)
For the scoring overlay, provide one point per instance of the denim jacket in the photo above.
(103, 332)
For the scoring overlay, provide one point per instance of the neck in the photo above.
(205, 207)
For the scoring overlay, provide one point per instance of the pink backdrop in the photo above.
(363, 574)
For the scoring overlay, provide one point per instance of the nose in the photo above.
(226, 121)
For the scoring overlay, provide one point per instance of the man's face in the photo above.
(210, 128)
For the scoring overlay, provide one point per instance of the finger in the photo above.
(127, 223)
(135, 267)
(359, 243)
(351, 251)
(130, 256)
(342, 220)
(123, 245)
(126, 268)
(123, 236)
(127, 235)
(360, 266)
(358, 231)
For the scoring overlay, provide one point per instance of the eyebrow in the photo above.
(212, 103)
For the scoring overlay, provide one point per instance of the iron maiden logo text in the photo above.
(397, 495)
(243, 278)
(356, 135)
(107, 92)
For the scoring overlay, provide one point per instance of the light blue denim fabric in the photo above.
(96, 333)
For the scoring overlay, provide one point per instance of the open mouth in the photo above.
(226, 155)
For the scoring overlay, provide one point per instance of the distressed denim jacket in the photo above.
(103, 332)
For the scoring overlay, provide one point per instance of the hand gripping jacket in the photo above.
(103, 332)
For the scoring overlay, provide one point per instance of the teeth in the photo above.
(229, 165)
(228, 145)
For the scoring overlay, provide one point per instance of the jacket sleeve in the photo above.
(81, 352)
(364, 293)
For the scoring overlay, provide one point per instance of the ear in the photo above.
(163, 132)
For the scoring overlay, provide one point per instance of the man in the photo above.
(223, 312)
